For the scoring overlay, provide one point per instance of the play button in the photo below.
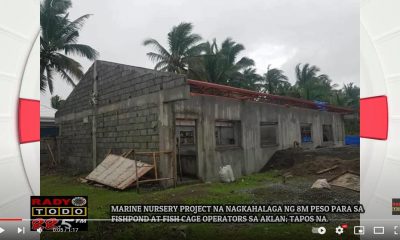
(1, 230)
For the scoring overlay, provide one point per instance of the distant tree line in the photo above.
(186, 53)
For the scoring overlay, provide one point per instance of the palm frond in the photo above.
(64, 63)
(79, 22)
(66, 77)
(157, 46)
(43, 83)
(81, 50)
(155, 57)
(161, 66)
(245, 62)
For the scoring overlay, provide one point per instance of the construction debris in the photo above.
(286, 176)
(118, 172)
(321, 183)
(82, 180)
(328, 169)
(226, 174)
(350, 180)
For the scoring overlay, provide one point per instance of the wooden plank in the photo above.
(136, 172)
(118, 172)
(51, 153)
(108, 153)
(155, 165)
(155, 180)
(128, 153)
(328, 169)
(151, 153)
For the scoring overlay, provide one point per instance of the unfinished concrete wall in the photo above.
(128, 113)
(249, 156)
(137, 109)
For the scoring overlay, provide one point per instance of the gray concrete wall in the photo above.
(129, 116)
(249, 156)
(137, 109)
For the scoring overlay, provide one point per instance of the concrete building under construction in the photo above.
(206, 125)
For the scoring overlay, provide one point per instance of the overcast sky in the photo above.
(278, 32)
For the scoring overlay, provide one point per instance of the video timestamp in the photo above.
(61, 229)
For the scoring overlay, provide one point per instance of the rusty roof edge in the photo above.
(254, 94)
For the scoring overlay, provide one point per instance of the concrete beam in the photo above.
(169, 95)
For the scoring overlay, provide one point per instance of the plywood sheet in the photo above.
(118, 172)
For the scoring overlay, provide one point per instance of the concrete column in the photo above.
(166, 128)
(94, 124)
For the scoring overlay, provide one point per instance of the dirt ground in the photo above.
(302, 166)
(307, 162)
(266, 187)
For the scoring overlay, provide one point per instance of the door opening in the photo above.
(186, 145)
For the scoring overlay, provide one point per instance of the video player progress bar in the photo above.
(109, 220)
(11, 219)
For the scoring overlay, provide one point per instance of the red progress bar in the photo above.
(10, 219)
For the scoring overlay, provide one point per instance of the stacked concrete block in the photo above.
(129, 100)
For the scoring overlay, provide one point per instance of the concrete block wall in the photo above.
(75, 142)
(129, 102)
(137, 109)
(128, 128)
(79, 98)
(118, 82)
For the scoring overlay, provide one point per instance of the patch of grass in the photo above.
(247, 182)
(239, 192)
(100, 198)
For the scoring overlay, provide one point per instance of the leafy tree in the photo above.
(182, 46)
(248, 79)
(348, 96)
(352, 95)
(59, 36)
(312, 86)
(221, 64)
(275, 82)
(56, 102)
(338, 98)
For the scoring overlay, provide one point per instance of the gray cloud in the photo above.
(278, 32)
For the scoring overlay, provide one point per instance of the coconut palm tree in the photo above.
(56, 102)
(182, 46)
(220, 64)
(207, 66)
(312, 86)
(274, 81)
(352, 95)
(248, 79)
(231, 66)
(58, 39)
(348, 96)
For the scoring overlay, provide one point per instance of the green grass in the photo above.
(100, 198)
(213, 193)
